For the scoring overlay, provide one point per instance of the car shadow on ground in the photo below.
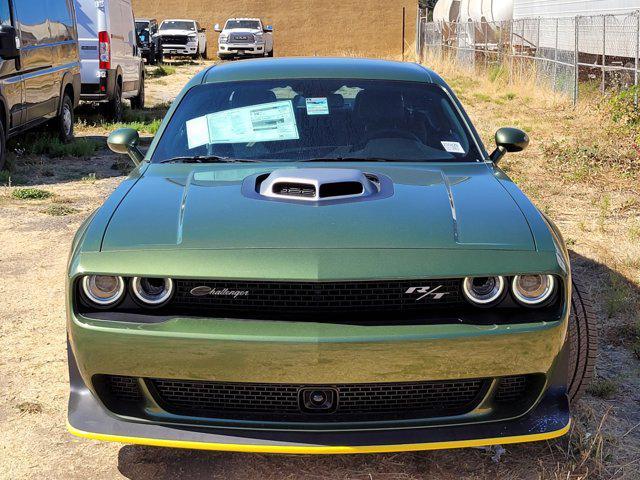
(141, 462)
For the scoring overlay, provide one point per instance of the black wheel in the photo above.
(270, 54)
(137, 102)
(204, 54)
(65, 120)
(114, 107)
(3, 148)
(583, 342)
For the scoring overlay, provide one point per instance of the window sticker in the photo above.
(453, 147)
(267, 122)
(317, 106)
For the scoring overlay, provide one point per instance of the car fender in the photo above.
(68, 79)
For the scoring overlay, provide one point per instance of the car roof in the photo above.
(315, 67)
(179, 20)
(243, 18)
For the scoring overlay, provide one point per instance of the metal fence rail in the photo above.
(565, 54)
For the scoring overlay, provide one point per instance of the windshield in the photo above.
(177, 25)
(249, 24)
(140, 26)
(307, 119)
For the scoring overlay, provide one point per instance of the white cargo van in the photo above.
(112, 66)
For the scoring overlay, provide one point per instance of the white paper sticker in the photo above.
(317, 106)
(267, 122)
(197, 132)
(453, 147)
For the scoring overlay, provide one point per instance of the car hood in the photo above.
(444, 206)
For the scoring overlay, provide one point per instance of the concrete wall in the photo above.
(305, 27)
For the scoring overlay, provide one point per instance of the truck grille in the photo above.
(174, 39)
(241, 38)
(266, 299)
(284, 402)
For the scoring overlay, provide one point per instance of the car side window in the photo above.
(5, 13)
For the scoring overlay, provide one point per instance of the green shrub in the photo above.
(58, 210)
(162, 70)
(602, 388)
(54, 148)
(30, 194)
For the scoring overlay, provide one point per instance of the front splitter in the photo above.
(89, 419)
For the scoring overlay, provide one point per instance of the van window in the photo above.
(5, 13)
(34, 28)
(60, 20)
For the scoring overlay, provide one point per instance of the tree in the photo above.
(428, 4)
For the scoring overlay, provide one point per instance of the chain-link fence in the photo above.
(565, 54)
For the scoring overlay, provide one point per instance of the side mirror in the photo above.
(268, 28)
(125, 141)
(509, 139)
(202, 30)
(217, 28)
(9, 43)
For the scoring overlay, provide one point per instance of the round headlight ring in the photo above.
(483, 291)
(103, 290)
(540, 289)
(152, 292)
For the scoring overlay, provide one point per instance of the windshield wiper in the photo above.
(207, 159)
(349, 159)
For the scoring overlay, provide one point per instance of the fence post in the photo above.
(604, 51)
(576, 63)
(555, 57)
(635, 73)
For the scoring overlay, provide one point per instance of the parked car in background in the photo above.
(112, 68)
(320, 256)
(39, 67)
(182, 37)
(244, 36)
(147, 32)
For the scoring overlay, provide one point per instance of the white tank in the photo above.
(446, 11)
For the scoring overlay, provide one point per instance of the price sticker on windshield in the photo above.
(453, 147)
(317, 106)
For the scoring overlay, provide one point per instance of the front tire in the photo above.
(3, 148)
(582, 341)
(65, 120)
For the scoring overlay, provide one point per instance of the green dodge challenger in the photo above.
(320, 256)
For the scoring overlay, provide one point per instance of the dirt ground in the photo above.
(599, 213)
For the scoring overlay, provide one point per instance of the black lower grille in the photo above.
(284, 402)
(125, 389)
(511, 389)
(264, 299)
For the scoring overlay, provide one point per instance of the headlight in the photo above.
(483, 291)
(103, 290)
(193, 38)
(152, 292)
(533, 289)
(223, 38)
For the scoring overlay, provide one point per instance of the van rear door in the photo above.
(91, 20)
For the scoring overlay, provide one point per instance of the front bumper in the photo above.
(88, 418)
(311, 353)
(189, 49)
(241, 49)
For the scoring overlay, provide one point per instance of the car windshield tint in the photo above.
(176, 25)
(250, 24)
(141, 26)
(303, 119)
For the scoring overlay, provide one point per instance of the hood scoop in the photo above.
(318, 184)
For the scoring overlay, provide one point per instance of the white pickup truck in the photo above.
(244, 36)
(182, 37)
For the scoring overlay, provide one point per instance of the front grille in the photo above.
(282, 402)
(241, 38)
(174, 39)
(125, 389)
(311, 299)
(511, 389)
